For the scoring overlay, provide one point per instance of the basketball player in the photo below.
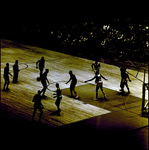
(15, 72)
(96, 66)
(124, 80)
(44, 81)
(147, 86)
(73, 80)
(147, 103)
(99, 83)
(59, 97)
(37, 105)
(40, 64)
(6, 77)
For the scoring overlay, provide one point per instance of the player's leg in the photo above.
(58, 104)
(17, 74)
(126, 83)
(14, 81)
(71, 89)
(122, 87)
(75, 92)
(97, 88)
(7, 84)
(71, 92)
(41, 71)
(44, 88)
(101, 88)
(41, 112)
(35, 108)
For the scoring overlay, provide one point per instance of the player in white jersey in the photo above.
(99, 83)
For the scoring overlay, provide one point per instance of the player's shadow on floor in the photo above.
(54, 113)
(114, 101)
(102, 99)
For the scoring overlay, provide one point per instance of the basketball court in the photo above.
(118, 114)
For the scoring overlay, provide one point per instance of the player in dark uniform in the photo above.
(147, 103)
(43, 81)
(59, 97)
(6, 77)
(73, 80)
(37, 105)
(40, 64)
(96, 66)
(124, 80)
(15, 72)
(99, 84)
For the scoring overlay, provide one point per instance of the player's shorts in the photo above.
(72, 86)
(6, 78)
(99, 83)
(58, 100)
(40, 107)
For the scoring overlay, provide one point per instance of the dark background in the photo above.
(32, 23)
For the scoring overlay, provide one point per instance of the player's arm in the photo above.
(90, 79)
(69, 80)
(6, 72)
(37, 64)
(103, 77)
(33, 99)
(128, 78)
(47, 80)
(9, 73)
(18, 68)
(92, 66)
(55, 95)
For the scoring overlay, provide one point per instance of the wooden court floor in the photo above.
(17, 103)
(18, 100)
